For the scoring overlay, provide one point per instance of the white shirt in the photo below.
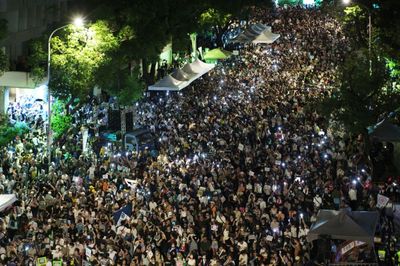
(317, 201)
(353, 194)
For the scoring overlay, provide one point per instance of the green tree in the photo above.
(37, 59)
(215, 22)
(9, 131)
(385, 21)
(123, 83)
(76, 55)
(361, 97)
(61, 121)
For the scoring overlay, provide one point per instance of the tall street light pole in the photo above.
(77, 22)
(370, 40)
(347, 2)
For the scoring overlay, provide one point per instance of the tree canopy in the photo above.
(365, 94)
(77, 54)
(362, 96)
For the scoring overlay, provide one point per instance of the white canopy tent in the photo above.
(200, 67)
(345, 225)
(181, 78)
(168, 83)
(257, 33)
(266, 37)
(182, 75)
(258, 27)
(6, 200)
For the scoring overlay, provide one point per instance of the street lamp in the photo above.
(78, 22)
(347, 2)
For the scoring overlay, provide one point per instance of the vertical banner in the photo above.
(85, 136)
(193, 39)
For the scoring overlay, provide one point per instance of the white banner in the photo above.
(85, 135)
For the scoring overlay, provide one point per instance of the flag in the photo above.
(382, 201)
(123, 214)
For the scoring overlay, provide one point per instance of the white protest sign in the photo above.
(381, 201)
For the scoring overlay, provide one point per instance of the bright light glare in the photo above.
(78, 22)
(346, 2)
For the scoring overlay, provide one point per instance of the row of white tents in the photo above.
(182, 78)
(257, 34)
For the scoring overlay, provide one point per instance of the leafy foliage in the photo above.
(394, 68)
(60, 121)
(212, 17)
(128, 87)
(132, 92)
(362, 97)
(134, 31)
(37, 60)
(386, 18)
(76, 56)
(9, 131)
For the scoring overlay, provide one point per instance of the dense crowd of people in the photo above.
(241, 172)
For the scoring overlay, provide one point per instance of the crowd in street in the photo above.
(241, 172)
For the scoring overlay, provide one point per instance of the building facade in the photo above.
(27, 19)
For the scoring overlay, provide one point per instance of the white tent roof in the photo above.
(258, 27)
(168, 83)
(189, 69)
(6, 200)
(266, 37)
(201, 67)
(345, 225)
(182, 77)
(257, 33)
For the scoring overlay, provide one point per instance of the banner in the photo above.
(85, 136)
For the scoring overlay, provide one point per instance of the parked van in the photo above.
(139, 140)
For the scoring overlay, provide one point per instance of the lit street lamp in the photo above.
(78, 22)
